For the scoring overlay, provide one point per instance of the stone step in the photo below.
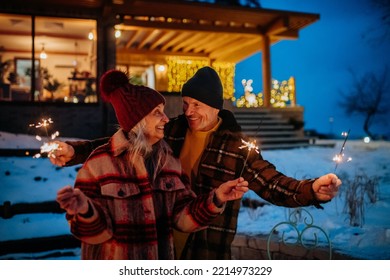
(270, 129)
(261, 128)
(262, 122)
(282, 146)
(272, 134)
(271, 140)
(258, 117)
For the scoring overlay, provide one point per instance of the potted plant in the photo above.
(50, 84)
(4, 66)
(4, 87)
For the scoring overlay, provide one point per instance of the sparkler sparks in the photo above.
(47, 147)
(340, 156)
(250, 145)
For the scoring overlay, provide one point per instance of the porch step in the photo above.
(272, 130)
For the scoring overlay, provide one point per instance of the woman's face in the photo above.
(155, 122)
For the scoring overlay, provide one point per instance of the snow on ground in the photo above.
(26, 179)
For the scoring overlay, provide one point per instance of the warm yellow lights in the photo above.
(282, 95)
(179, 70)
(118, 33)
(226, 72)
(43, 54)
(90, 36)
(161, 68)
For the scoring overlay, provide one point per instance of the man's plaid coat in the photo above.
(221, 161)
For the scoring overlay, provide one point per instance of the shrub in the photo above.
(358, 191)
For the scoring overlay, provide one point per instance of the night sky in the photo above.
(348, 35)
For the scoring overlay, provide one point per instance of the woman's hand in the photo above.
(72, 200)
(62, 154)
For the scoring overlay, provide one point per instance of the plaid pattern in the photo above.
(222, 161)
(135, 217)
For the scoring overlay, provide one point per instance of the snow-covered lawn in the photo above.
(25, 179)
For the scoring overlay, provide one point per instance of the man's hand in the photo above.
(326, 187)
(62, 154)
(72, 200)
(231, 190)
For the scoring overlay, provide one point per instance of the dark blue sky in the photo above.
(347, 36)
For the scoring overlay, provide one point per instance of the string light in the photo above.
(282, 95)
(226, 71)
(180, 70)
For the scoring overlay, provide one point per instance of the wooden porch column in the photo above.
(266, 66)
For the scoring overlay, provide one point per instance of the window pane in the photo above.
(15, 42)
(67, 54)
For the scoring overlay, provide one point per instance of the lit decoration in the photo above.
(180, 70)
(118, 33)
(43, 54)
(46, 147)
(91, 35)
(282, 95)
(226, 71)
(249, 99)
(250, 145)
(339, 158)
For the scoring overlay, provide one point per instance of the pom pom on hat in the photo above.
(131, 102)
(110, 81)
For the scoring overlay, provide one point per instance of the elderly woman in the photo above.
(132, 192)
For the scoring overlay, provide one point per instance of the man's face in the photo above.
(155, 122)
(200, 116)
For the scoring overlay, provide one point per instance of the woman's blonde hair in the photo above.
(155, 155)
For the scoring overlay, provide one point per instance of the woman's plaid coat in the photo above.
(134, 218)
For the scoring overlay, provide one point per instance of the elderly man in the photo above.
(207, 140)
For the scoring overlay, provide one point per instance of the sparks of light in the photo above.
(46, 147)
(44, 123)
(54, 135)
(250, 145)
(340, 156)
(49, 147)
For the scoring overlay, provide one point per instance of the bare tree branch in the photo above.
(368, 96)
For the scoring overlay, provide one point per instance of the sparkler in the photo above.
(340, 156)
(250, 145)
(47, 147)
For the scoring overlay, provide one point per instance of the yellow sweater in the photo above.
(194, 144)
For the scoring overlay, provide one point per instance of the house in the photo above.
(55, 51)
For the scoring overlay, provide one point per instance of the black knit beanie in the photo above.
(205, 86)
